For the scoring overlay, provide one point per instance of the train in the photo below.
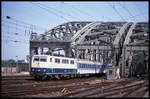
(48, 66)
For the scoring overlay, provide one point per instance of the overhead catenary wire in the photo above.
(123, 6)
(15, 37)
(139, 10)
(13, 40)
(113, 6)
(50, 12)
(14, 27)
(22, 22)
(16, 34)
(141, 14)
(24, 29)
(59, 11)
(82, 12)
(12, 23)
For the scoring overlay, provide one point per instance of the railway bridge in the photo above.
(116, 43)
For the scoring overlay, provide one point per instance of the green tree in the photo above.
(7, 62)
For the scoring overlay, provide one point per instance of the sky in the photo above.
(42, 16)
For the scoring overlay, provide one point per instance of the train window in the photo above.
(96, 66)
(91, 66)
(71, 61)
(110, 72)
(43, 60)
(57, 60)
(65, 61)
(80, 66)
(36, 59)
(99, 66)
(50, 59)
(86, 66)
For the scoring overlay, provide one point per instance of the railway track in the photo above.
(25, 87)
(87, 87)
(103, 88)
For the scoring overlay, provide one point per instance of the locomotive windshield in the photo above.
(36, 59)
(41, 59)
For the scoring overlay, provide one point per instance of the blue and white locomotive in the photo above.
(43, 66)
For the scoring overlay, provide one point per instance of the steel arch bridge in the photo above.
(107, 42)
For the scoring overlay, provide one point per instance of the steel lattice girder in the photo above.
(64, 31)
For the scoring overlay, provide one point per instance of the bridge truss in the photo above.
(106, 42)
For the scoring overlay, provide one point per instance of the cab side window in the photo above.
(57, 60)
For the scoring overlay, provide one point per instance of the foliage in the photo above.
(7, 62)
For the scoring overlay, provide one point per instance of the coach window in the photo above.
(99, 66)
(85, 65)
(57, 60)
(92, 66)
(67, 61)
(71, 61)
(64, 61)
(81, 65)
